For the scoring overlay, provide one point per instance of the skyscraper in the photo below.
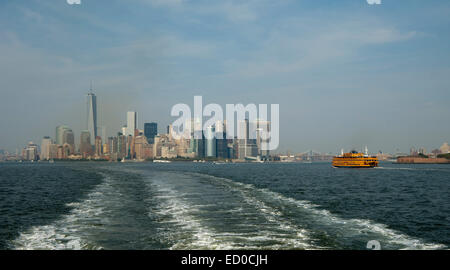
(85, 143)
(210, 142)
(45, 148)
(92, 116)
(150, 131)
(31, 152)
(221, 140)
(60, 130)
(131, 123)
(98, 146)
(69, 138)
(247, 143)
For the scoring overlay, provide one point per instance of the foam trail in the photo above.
(67, 232)
(191, 232)
(348, 227)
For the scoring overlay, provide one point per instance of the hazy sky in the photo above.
(345, 73)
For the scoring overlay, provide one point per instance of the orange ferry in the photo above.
(355, 160)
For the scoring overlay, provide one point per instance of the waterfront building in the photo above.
(221, 140)
(60, 152)
(53, 152)
(143, 149)
(130, 147)
(98, 146)
(60, 130)
(30, 152)
(105, 149)
(247, 142)
(65, 135)
(183, 148)
(85, 143)
(112, 145)
(69, 138)
(445, 148)
(121, 145)
(262, 126)
(210, 142)
(164, 147)
(45, 148)
(67, 150)
(422, 150)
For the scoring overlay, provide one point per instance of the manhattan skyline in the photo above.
(322, 62)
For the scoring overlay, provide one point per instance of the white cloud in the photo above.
(168, 3)
(374, 2)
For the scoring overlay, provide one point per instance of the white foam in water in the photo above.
(349, 227)
(182, 224)
(191, 233)
(66, 232)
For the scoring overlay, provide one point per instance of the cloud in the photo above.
(303, 46)
(74, 2)
(166, 3)
(374, 2)
(234, 11)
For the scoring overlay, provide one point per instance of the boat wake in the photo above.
(67, 233)
(322, 224)
(200, 224)
(184, 210)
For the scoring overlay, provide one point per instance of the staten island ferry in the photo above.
(355, 160)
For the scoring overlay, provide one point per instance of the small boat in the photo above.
(219, 162)
(355, 160)
(161, 161)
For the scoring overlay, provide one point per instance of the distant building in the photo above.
(98, 146)
(262, 127)
(121, 146)
(422, 150)
(221, 140)
(30, 152)
(131, 124)
(65, 135)
(45, 148)
(92, 116)
(60, 134)
(85, 143)
(112, 145)
(164, 147)
(247, 142)
(150, 131)
(67, 150)
(53, 151)
(445, 148)
(210, 142)
(142, 148)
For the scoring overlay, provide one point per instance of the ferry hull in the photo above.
(355, 167)
(355, 160)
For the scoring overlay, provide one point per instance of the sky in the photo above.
(345, 73)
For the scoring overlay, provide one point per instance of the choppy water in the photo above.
(226, 206)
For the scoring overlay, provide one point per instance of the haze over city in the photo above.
(345, 73)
